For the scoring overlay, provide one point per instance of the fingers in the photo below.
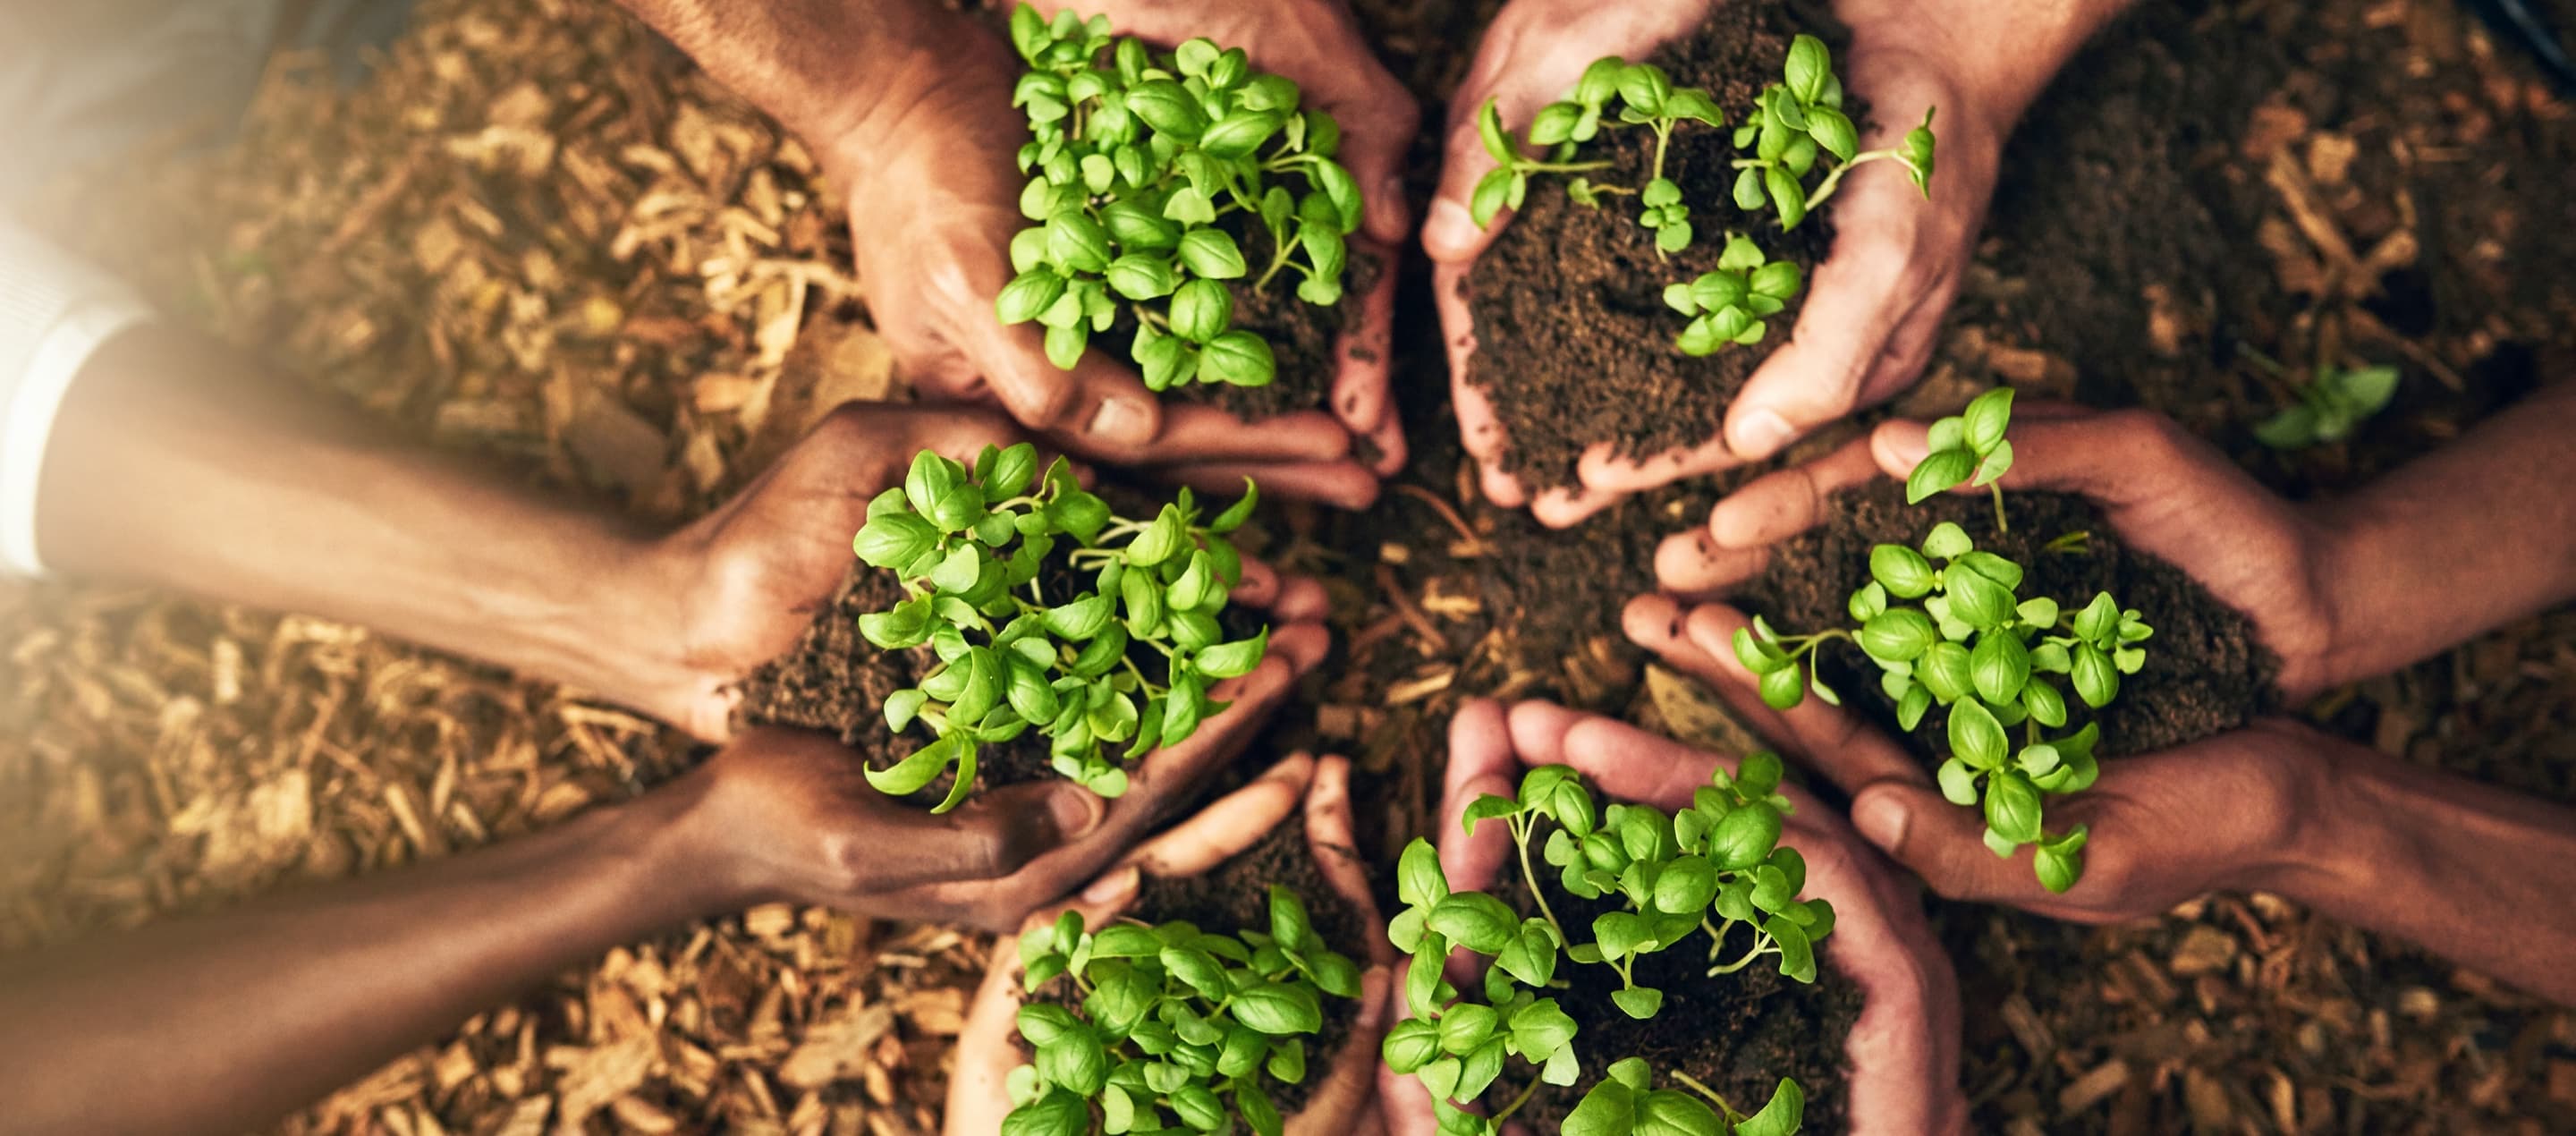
(2115, 458)
(993, 836)
(1338, 1103)
(1945, 845)
(1479, 431)
(1604, 471)
(1735, 544)
(1904, 1048)
(1630, 763)
(1480, 762)
(1341, 484)
(1567, 507)
(1365, 353)
(1207, 434)
(1860, 292)
(1336, 850)
(1099, 409)
(1838, 744)
(1224, 829)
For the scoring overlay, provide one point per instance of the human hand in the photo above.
(2164, 492)
(1904, 1050)
(1316, 43)
(2241, 810)
(936, 163)
(988, 1048)
(1869, 323)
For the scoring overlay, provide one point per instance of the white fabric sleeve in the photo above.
(55, 311)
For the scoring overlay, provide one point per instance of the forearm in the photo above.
(2478, 534)
(819, 66)
(2008, 50)
(175, 463)
(222, 1024)
(2477, 875)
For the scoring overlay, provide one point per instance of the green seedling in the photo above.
(1136, 156)
(1948, 628)
(968, 546)
(1715, 869)
(2330, 408)
(1177, 1030)
(1795, 126)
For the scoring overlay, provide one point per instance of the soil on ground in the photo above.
(1738, 1033)
(1574, 343)
(2206, 672)
(1234, 897)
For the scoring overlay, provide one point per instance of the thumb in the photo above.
(1097, 407)
(1939, 841)
(2112, 458)
(988, 839)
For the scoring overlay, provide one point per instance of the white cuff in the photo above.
(55, 311)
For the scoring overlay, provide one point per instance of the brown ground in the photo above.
(505, 244)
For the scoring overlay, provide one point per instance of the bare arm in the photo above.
(2473, 536)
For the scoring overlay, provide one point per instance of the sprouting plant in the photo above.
(1969, 644)
(2330, 407)
(1968, 447)
(1796, 118)
(1795, 125)
(1174, 1023)
(1711, 869)
(968, 547)
(1730, 304)
(1136, 158)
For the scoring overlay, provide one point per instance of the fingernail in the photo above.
(1373, 987)
(1450, 232)
(1881, 819)
(1075, 812)
(1117, 885)
(1762, 434)
(1122, 419)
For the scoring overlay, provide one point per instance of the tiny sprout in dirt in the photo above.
(1795, 127)
(1177, 1029)
(2330, 408)
(1138, 155)
(1715, 870)
(1948, 628)
(970, 547)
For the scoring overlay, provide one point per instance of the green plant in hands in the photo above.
(2330, 407)
(1178, 1029)
(1794, 126)
(969, 545)
(1731, 304)
(1797, 118)
(1711, 869)
(1137, 155)
(1969, 644)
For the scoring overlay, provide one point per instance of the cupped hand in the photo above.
(2231, 812)
(1877, 302)
(1318, 44)
(2164, 492)
(934, 191)
(1904, 1049)
(987, 1050)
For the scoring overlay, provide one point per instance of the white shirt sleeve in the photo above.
(55, 311)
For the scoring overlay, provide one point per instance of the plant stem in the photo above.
(1526, 1093)
(1560, 167)
(1834, 179)
(1521, 833)
(2001, 525)
(1731, 1115)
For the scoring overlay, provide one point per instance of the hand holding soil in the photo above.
(1160, 879)
(2163, 493)
(1316, 43)
(1902, 1049)
(1862, 335)
(936, 164)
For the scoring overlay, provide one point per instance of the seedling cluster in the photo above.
(969, 546)
(1796, 129)
(1174, 1023)
(1137, 156)
(1716, 869)
(1970, 645)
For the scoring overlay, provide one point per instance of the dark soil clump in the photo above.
(2206, 672)
(1574, 344)
(1737, 1033)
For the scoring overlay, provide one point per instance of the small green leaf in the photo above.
(1419, 881)
(1808, 69)
(1976, 737)
(1987, 418)
(2097, 681)
(1999, 666)
(1474, 920)
(1939, 471)
(2012, 806)
(1900, 635)
(1238, 358)
(1958, 782)
(1278, 1009)
(1787, 194)
(1639, 1002)
(1780, 1116)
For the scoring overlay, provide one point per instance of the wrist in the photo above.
(2338, 845)
(2002, 54)
(681, 853)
